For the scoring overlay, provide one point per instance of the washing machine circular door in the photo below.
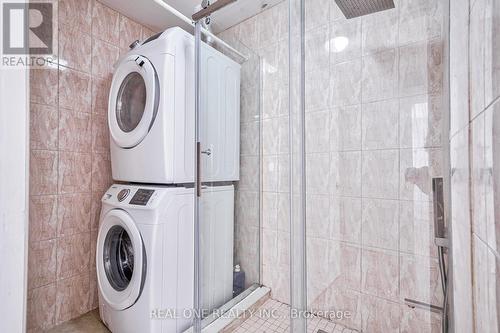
(133, 101)
(121, 260)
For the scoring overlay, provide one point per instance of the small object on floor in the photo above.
(320, 331)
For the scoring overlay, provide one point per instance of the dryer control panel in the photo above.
(130, 195)
(141, 197)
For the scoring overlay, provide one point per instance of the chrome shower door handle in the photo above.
(207, 152)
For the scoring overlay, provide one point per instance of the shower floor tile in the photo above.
(274, 317)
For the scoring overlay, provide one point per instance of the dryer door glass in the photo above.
(118, 258)
(131, 102)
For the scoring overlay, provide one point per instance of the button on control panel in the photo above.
(141, 197)
(123, 194)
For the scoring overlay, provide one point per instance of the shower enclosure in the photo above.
(343, 130)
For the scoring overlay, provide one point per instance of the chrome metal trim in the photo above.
(212, 8)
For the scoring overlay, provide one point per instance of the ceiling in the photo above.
(152, 15)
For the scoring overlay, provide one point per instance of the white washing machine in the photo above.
(151, 112)
(145, 256)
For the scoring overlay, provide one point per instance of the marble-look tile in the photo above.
(481, 289)
(478, 176)
(318, 173)
(476, 56)
(104, 56)
(95, 210)
(74, 48)
(419, 279)
(345, 31)
(418, 320)
(345, 219)
(42, 217)
(493, 294)
(130, 31)
(347, 300)
(249, 138)
(420, 20)
(316, 13)
(249, 103)
(274, 102)
(41, 263)
(283, 248)
(346, 83)
(93, 290)
(380, 273)
(248, 33)
(73, 214)
(319, 269)
(93, 250)
(249, 173)
(74, 172)
(345, 263)
(270, 140)
(380, 125)
(43, 172)
(43, 127)
(100, 134)
(271, 25)
(345, 128)
(284, 212)
(284, 173)
(379, 315)
(43, 86)
(492, 51)
(317, 90)
(347, 173)
(317, 48)
(317, 212)
(421, 68)
(74, 90)
(318, 132)
(72, 297)
(421, 121)
(380, 76)
(41, 308)
(269, 210)
(380, 174)
(416, 228)
(277, 278)
(492, 178)
(380, 226)
(269, 173)
(74, 131)
(147, 32)
(77, 13)
(100, 95)
(105, 24)
(73, 255)
(101, 172)
(417, 168)
(380, 31)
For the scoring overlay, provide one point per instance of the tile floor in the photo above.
(270, 317)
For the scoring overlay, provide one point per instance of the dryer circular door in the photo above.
(121, 260)
(133, 101)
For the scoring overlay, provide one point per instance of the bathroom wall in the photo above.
(373, 143)
(476, 181)
(69, 160)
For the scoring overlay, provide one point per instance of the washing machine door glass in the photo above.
(121, 260)
(133, 101)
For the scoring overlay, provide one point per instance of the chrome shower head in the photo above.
(355, 8)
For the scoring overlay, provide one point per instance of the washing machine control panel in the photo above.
(141, 197)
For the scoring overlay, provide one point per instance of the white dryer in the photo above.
(145, 256)
(151, 112)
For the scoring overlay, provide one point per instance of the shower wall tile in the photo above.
(317, 212)
(69, 160)
(348, 173)
(345, 132)
(345, 219)
(317, 90)
(419, 279)
(380, 174)
(416, 228)
(347, 300)
(380, 76)
(380, 273)
(318, 173)
(476, 56)
(342, 29)
(346, 83)
(421, 121)
(380, 31)
(380, 125)
(317, 49)
(492, 51)
(420, 68)
(420, 20)
(317, 132)
(317, 12)
(130, 31)
(417, 320)
(379, 315)
(380, 223)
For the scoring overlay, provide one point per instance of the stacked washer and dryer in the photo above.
(145, 245)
